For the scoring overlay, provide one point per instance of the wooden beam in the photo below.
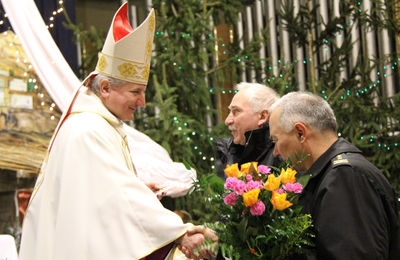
(224, 99)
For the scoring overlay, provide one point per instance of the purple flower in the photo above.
(230, 183)
(258, 209)
(251, 185)
(263, 169)
(293, 187)
(249, 177)
(239, 187)
(280, 191)
(230, 199)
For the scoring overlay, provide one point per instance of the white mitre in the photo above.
(126, 52)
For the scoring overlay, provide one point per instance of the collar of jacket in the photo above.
(258, 138)
(340, 146)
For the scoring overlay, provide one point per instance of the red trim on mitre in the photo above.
(121, 26)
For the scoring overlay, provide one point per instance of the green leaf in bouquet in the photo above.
(252, 231)
(242, 226)
(299, 158)
(303, 180)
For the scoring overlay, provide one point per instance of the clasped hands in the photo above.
(195, 237)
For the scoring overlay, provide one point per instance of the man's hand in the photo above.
(155, 187)
(207, 232)
(195, 231)
(188, 243)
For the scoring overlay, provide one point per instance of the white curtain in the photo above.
(152, 161)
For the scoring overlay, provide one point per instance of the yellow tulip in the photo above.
(288, 176)
(272, 183)
(251, 197)
(232, 170)
(245, 168)
(279, 201)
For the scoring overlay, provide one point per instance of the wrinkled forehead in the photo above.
(240, 100)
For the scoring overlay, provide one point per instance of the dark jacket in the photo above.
(353, 207)
(258, 148)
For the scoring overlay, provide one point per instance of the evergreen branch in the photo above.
(220, 67)
(334, 91)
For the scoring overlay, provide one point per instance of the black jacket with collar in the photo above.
(258, 148)
(353, 207)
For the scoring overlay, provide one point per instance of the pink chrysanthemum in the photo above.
(251, 185)
(293, 187)
(239, 187)
(230, 199)
(230, 183)
(263, 169)
(249, 177)
(258, 209)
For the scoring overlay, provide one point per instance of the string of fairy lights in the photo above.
(59, 10)
(181, 126)
(393, 64)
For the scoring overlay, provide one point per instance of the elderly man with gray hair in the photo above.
(353, 206)
(248, 123)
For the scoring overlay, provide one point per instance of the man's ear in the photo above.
(264, 116)
(105, 87)
(301, 131)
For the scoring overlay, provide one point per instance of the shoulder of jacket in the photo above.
(340, 160)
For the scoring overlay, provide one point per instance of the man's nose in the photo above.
(229, 120)
(276, 152)
(142, 101)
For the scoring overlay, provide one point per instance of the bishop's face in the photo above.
(124, 100)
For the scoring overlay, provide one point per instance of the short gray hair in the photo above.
(94, 84)
(260, 97)
(306, 108)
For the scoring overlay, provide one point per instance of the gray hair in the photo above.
(306, 108)
(94, 84)
(260, 97)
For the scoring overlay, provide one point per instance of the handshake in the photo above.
(195, 244)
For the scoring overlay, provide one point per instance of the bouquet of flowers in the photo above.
(259, 216)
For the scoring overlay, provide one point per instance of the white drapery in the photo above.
(152, 161)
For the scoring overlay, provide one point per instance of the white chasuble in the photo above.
(88, 202)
